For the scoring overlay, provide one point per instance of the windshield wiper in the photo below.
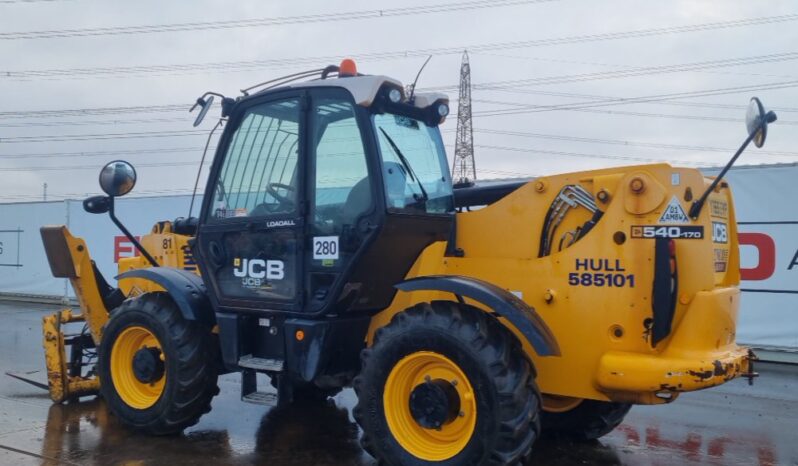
(406, 164)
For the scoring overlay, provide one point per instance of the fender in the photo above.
(185, 288)
(501, 301)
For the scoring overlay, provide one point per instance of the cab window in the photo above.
(259, 174)
(414, 166)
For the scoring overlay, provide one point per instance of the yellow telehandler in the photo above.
(331, 250)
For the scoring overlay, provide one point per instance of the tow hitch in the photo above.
(751, 375)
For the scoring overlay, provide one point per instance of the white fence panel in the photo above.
(766, 201)
(23, 263)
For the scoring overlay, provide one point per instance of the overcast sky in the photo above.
(568, 53)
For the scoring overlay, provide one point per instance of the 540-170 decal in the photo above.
(668, 231)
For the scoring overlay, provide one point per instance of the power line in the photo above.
(489, 86)
(260, 22)
(677, 103)
(642, 71)
(623, 66)
(80, 112)
(523, 108)
(649, 98)
(506, 86)
(63, 196)
(113, 153)
(651, 145)
(232, 66)
(10, 2)
(45, 124)
(100, 137)
(584, 155)
(94, 167)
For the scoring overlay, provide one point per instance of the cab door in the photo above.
(252, 227)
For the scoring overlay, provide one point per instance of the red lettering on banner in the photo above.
(124, 248)
(767, 256)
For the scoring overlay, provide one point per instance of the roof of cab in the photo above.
(363, 88)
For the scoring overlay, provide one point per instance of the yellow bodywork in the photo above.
(169, 249)
(76, 266)
(601, 330)
(74, 263)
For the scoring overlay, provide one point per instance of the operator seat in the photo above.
(358, 200)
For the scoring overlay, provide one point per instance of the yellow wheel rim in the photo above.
(134, 393)
(428, 444)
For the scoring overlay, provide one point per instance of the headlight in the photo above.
(395, 96)
(443, 110)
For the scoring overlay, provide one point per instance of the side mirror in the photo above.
(756, 121)
(205, 106)
(117, 178)
(97, 204)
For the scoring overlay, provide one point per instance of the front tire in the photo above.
(157, 370)
(446, 384)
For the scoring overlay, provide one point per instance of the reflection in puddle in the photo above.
(86, 433)
(322, 433)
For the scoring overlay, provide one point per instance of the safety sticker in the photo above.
(674, 213)
(719, 209)
(721, 259)
(325, 247)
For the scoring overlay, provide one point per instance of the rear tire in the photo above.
(164, 397)
(589, 420)
(429, 345)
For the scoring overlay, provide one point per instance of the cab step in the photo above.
(261, 364)
(251, 394)
(261, 398)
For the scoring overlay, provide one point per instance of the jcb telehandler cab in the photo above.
(331, 250)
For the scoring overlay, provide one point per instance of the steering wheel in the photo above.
(283, 199)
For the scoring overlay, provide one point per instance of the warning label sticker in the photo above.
(674, 213)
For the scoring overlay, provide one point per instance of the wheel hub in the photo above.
(147, 365)
(434, 403)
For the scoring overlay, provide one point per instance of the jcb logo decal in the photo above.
(259, 268)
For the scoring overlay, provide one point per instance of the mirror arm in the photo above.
(130, 236)
(200, 100)
(695, 209)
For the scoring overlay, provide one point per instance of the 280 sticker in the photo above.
(325, 248)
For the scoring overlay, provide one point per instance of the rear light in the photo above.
(672, 253)
(663, 299)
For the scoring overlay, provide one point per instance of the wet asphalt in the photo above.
(730, 425)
